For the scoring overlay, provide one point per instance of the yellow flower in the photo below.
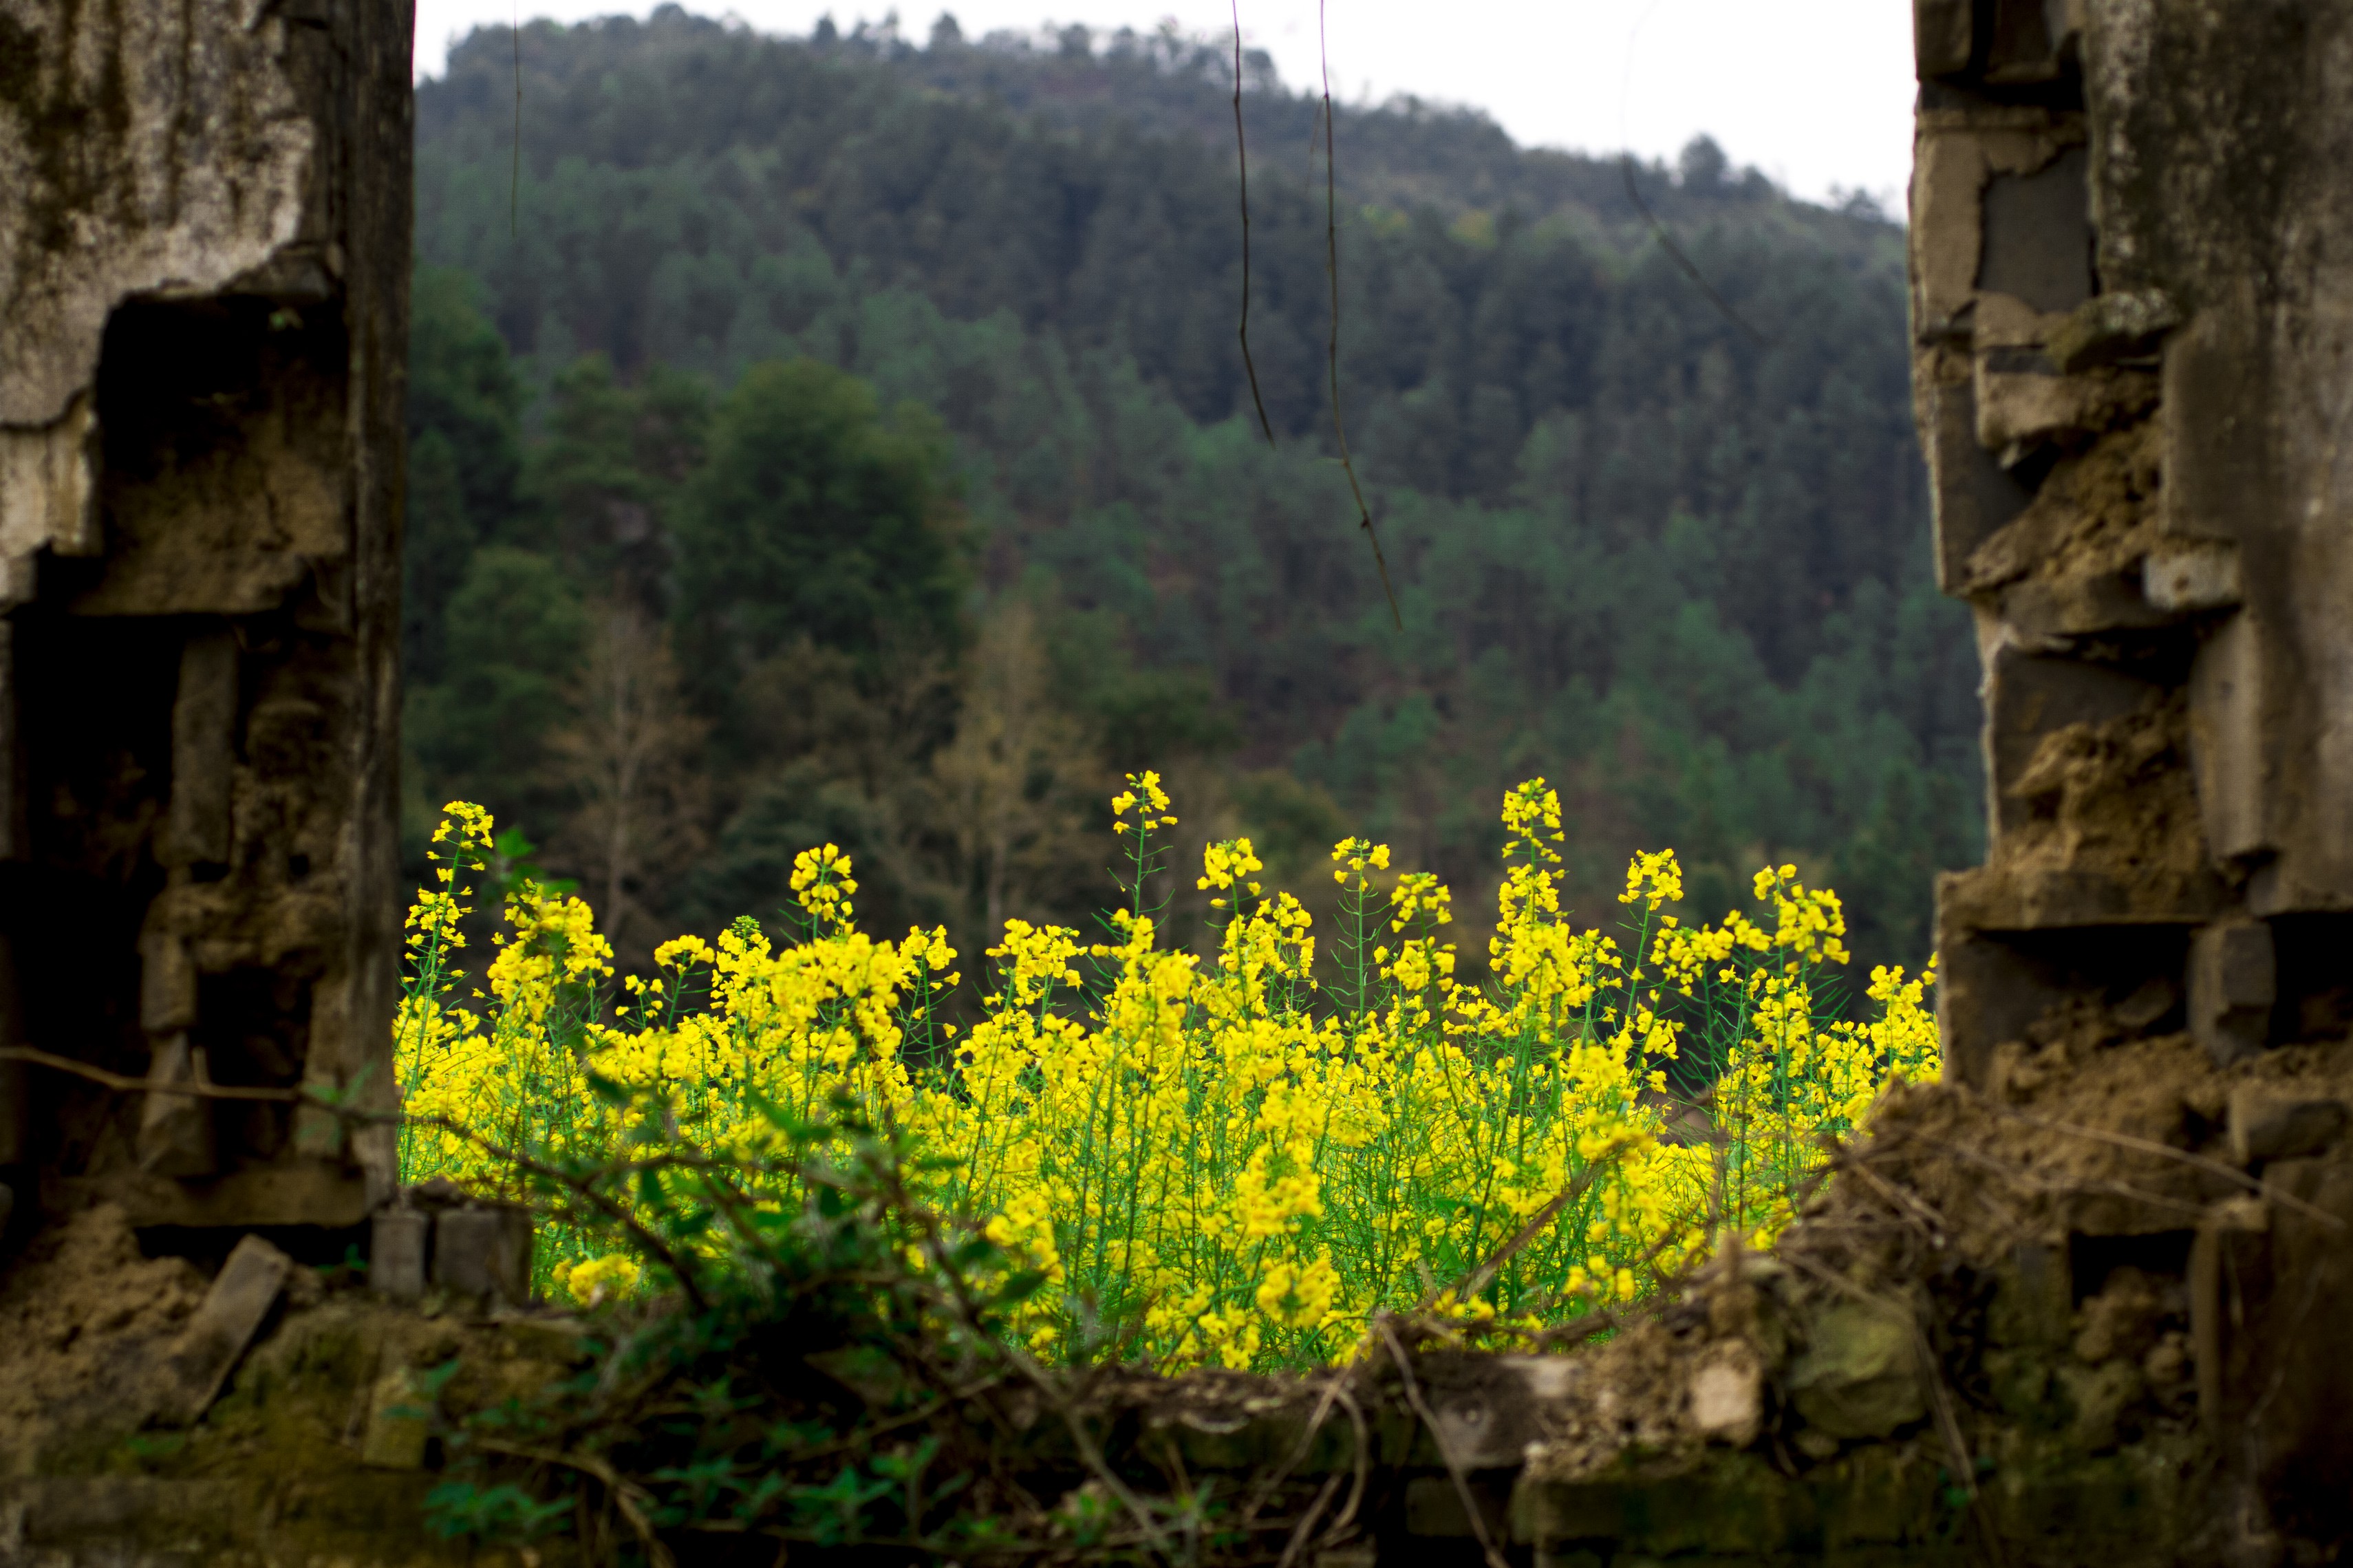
(1208, 1152)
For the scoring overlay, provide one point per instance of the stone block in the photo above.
(225, 1323)
(2034, 1298)
(2233, 981)
(2277, 1121)
(2230, 1257)
(12, 760)
(397, 1250)
(1973, 496)
(2036, 243)
(1948, 180)
(2191, 576)
(1987, 991)
(2079, 604)
(2025, 43)
(2230, 737)
(16, 1089)
(1941, 37)
(1546, 1511)
(2029, 695)
(175, 1128)
(2026, 898)
(484, 1252)
(1204, 1439)
(2108, 328)
(2024, 402)
(48, 493)
(1879, 1495)
(1728, 1506)
(1728, 1401)
(1433, 1508)
(204, 749)
(1859, 1375)
(399, 1422)
(1261, 1431)
(2218, 422)
(1348, 1557)
(1484, 1407)
(167, 984)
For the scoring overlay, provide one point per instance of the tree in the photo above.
(464, 453)
(606, 479)
(1020, 785)
(627, 758)
(815, 516)
(515, 635)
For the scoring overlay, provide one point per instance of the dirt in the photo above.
(2115, 797)
(84, 1319)
(2095, 513)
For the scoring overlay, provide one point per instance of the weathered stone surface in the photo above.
(1859, 1376)
(2234, 984)
(2031, 694)
(2169, 745)
(204, 751)
(232, 1312)
(2189, 578)
(484, 1252)
(396, 1252)
(194, 122)
(1974, 496)
(1433, 1507)
(399, 1422)
(175, 1123)
(2037, 235)
(2112, 327)
(204, 256)
(2279, 1121)
(1728, 1399)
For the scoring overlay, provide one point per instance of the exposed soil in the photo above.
(84, 1319)
(2115, 797)
(2095, 513)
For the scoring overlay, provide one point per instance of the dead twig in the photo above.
(1429, 1419)
(126, 1084)
(1690, 270)
(1906, 1205)
(1362, 1452)
(1265, 1490)
(1291, 1548)
(1479, 1277)
(2166, 1150)
(1332, 345)
(626, 1496)
(1241, 154)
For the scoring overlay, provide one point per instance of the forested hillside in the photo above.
(840, 439)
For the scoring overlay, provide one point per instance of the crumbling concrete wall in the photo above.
(204, 217)
(2133, 306)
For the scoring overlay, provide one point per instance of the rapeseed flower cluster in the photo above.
(1232, 1159)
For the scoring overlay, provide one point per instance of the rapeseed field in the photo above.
(1231, 1159)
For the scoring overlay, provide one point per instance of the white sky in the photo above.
(1817, 94)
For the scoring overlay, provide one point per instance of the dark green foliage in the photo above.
(606, 479)
(515, 637)
(815, 1373)
(464, 414)
(813, 518)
